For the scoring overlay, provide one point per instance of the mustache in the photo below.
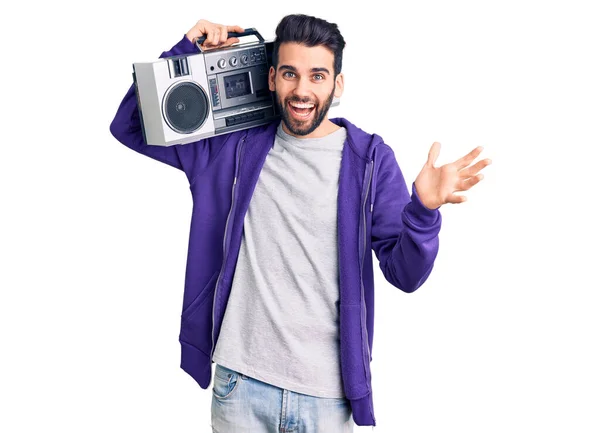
(300, 100)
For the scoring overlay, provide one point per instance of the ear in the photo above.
(272, 79)
(339, 85)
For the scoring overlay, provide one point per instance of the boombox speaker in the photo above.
(172, 100)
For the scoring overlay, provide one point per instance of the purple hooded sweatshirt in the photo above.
(375, 211)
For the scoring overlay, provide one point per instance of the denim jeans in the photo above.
(243, 404)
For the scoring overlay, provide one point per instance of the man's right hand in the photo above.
(216, 34)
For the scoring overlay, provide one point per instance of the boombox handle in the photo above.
(246, 32)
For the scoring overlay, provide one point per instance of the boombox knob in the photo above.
(244, 59)
(233, 61)
(221, 63)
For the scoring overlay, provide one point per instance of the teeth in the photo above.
(298, 105)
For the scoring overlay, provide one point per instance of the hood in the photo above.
(361, 142)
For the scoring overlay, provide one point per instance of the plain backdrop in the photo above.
(503, 336)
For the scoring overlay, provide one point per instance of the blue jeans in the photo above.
(243, 404)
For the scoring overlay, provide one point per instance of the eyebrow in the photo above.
(293, 69)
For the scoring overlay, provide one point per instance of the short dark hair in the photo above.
(312, 32)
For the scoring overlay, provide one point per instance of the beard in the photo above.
(298, 127)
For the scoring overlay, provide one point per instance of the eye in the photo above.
(288, 74)
(319, 77)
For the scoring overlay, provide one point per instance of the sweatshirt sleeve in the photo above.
(404, 233)
(126, 126)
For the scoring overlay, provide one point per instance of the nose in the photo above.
(302, 89)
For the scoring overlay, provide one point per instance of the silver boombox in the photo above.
(185, 98)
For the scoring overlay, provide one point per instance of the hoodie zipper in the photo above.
(362, 261)
(225, 243)
(362, 287)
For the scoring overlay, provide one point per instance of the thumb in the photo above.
(434, 152)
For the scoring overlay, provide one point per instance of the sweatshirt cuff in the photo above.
(188, 45)
(420, 213)
(184, 46)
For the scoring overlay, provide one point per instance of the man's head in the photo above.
(306, 73)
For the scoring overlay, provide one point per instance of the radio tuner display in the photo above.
(237, 85)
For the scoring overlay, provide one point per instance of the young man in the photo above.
(279, 282)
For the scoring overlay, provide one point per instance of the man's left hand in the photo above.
(437, 185)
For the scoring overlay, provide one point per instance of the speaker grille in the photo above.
(186, 107)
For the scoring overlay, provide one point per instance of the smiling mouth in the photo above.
(301, 110)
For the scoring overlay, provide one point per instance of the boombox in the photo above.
(185, 98)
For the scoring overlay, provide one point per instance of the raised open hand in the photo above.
(438, 185)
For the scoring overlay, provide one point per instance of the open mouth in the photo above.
(301, 110)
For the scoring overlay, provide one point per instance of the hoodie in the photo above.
(375, 212)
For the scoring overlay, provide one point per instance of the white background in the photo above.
(504, 335)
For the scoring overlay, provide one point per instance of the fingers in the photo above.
(217, 34)
(456, 199)
(225, 41)
(468, 176)
(476, 168)
(468, 158)
(470, 182)
(214, 36)
(230, 41)
(236, 29)
(222, 35)
(434, 152)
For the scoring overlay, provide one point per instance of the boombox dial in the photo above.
(244, 59)
(221, 63)
(233, 61)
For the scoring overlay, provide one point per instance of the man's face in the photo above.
(304, 87)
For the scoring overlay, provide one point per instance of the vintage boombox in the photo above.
(185, 98)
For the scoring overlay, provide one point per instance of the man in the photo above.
(279, 281)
